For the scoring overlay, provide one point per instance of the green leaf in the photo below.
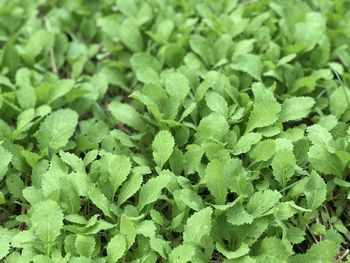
(85, 245)
(272, 249)
(248, 63)
(241, 251)
(182, 254)
(263, 151)
(116, 248)
(162, 146)
(237, 215)
(47, 222)
(339, 101)
(25, 94)
(214, 178)
(130, 35)
(119, 167)
(198, 226)
(146, 67)
(262, 201)
(177, 85)
(245, 142)
(217, 103)
(315, 191)
(56, 129)
(296, 108)
(130, 187)
(151, 191)
(265, 113)
(283, 166)
(201, 47)
(126, 114)
(5, 238)
(324, 161)
(5, 160)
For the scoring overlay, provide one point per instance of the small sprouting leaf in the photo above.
(116, 248)
(198, 226)
(85, 245)
(245, 142)
(237, 215)
(177, 85)
(215, 181)
(315, 191)
(56, 129)
(283, 166)
(217, 103)
(119, 167)
(265, 113)
(182, 254)
(262, 201)
(47, 221)
(162, 146)
(5, 160)
(126, 114)
(151, 190)
(296, 108)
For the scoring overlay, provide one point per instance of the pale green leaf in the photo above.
(162, 146)
(151, 190)
(116, 248)
(198, 226)
(215, 181)
(56, 129)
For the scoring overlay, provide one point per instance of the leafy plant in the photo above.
(174, 131)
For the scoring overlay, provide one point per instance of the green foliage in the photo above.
(174, 131)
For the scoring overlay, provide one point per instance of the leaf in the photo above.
(73, 161)
(162, 146)
(182, 254)
(98, 199)
(217, 103)
(339, 101)
(56, 129)
(310, 30)
(47, 221)
(146, 67)
(198, 226)
(214, 178)
(126, 114)
(248, 63)
(201, 47)
(237, 215)
(245, 142)
(271, 249)
(130, 35)
(5, 160)
(116, 248)
(315, 191)
(283, 166)
(262, 201)
(151, 190)
(241, 251)
(25, 94)
(296, 108)
(177, 85)
(119, 167)
(213, 126)
(130, 187)
(263, 151)
(325, 162)
(4, 242)
(189, 198)
(265, 113)
(85, 245)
